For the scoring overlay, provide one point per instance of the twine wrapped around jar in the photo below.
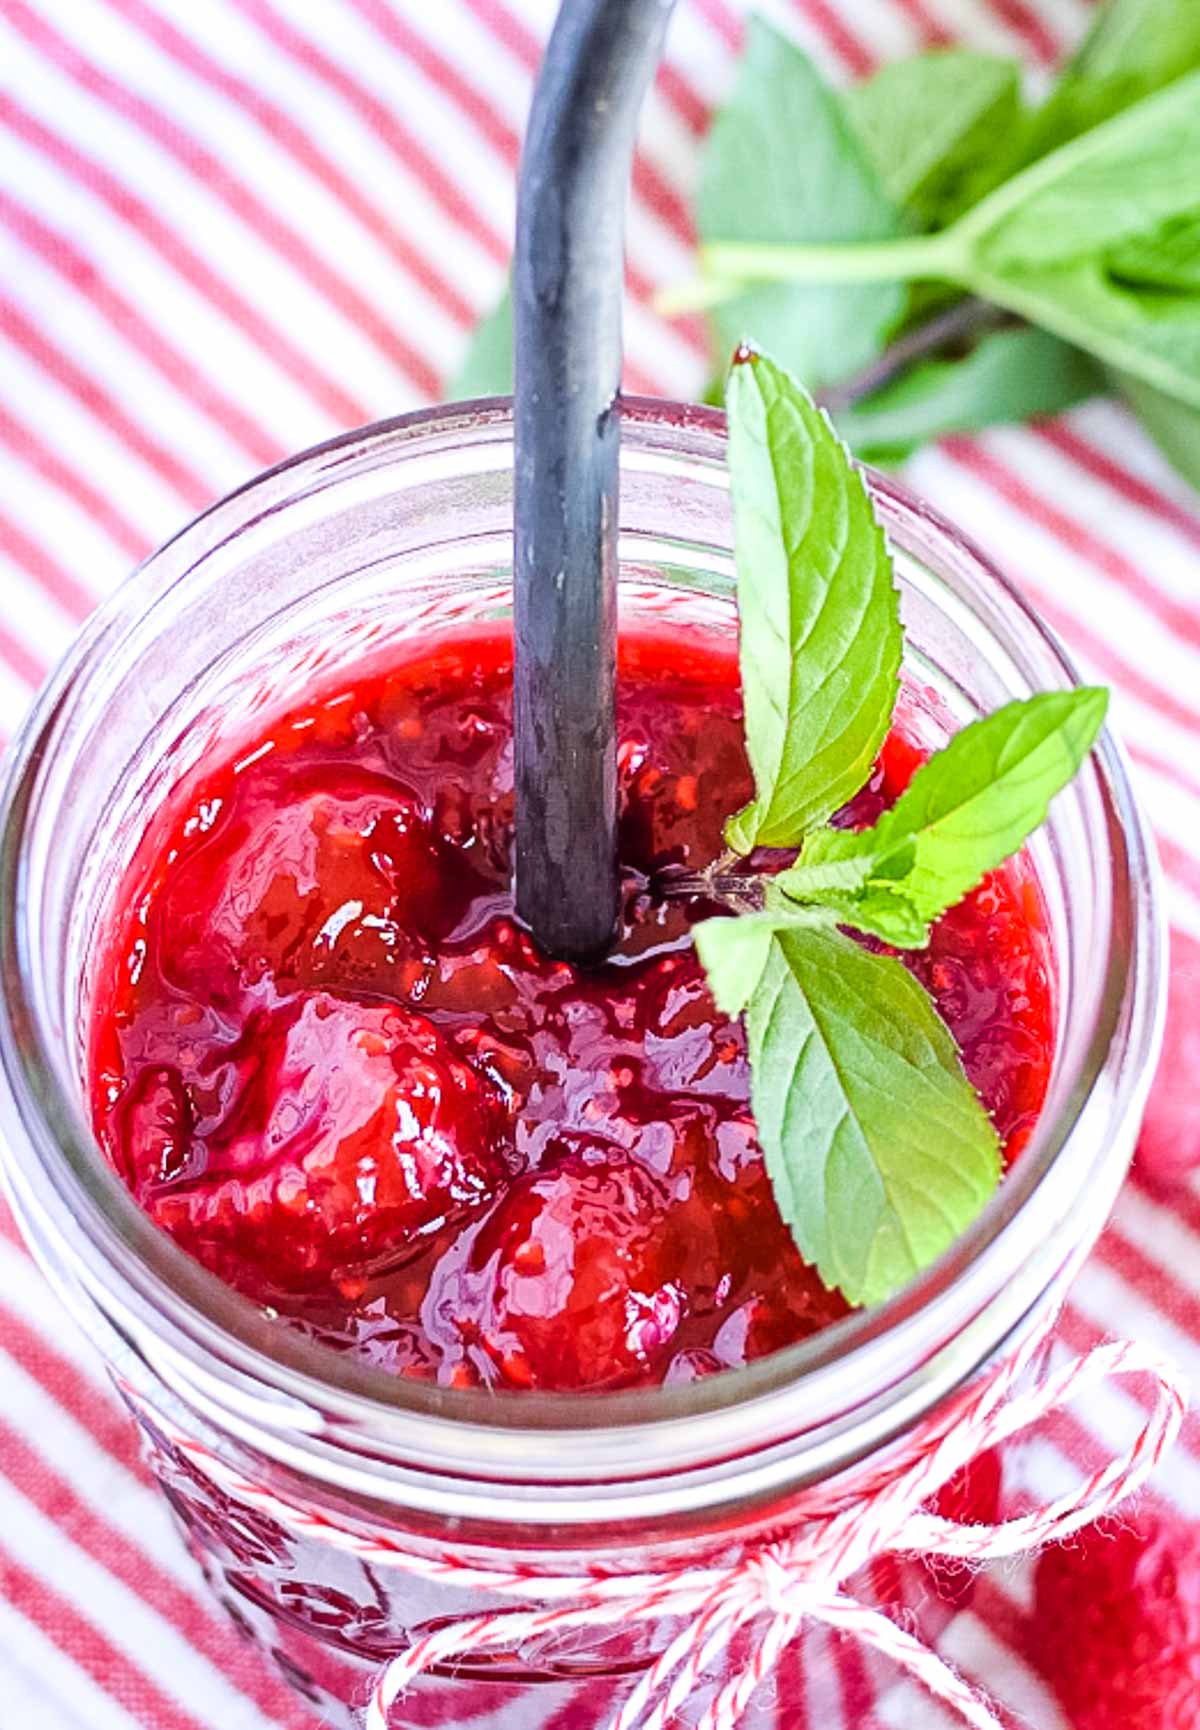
(781, 1584)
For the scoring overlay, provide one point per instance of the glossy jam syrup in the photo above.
(330, 1064)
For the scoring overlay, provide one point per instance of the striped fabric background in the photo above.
(229, 228)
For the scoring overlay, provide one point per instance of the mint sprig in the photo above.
(878, 1149)
(1040, 245)
(881, 269)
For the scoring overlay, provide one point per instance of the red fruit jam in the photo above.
(327, 1060)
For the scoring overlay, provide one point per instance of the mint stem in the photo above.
(728, 268)
(696, 295)
(908, 259)
(740, 891)
(966, 319)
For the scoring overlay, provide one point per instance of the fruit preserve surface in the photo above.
(326, 1059)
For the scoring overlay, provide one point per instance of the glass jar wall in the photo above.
(404, 529)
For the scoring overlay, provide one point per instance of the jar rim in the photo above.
(136, 1271)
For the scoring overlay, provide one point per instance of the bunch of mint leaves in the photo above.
(879, 1151)
(930, 255)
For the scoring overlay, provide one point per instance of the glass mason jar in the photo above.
(399, 529)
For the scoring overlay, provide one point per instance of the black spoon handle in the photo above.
(568, 280)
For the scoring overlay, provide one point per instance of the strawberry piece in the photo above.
(569, 1283)
(327, 1144)
(1117, 1626)
(334, 884)
(594, 1272)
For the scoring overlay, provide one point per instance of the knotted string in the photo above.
(779, 1585)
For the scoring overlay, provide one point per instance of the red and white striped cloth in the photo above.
(232, 228)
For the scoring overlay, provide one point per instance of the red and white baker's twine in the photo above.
(781, 1584)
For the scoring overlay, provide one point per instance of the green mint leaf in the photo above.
(487, 368)
(1009, 375)
(819, 612)
(1112, 184)
(1134, 47)
(734, 952)
(1151, 335)
(879, 1151)
(814, 880)
(935, 127)
(1173, 425)
(881, 912)
(1168, 258)
(786, 137)
(1040, 243)
(966, 810)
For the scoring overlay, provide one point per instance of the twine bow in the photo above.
(779, 1585)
